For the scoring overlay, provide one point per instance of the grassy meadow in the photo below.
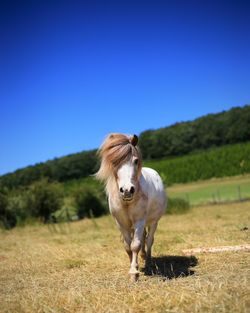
(213, 190)
(82, 266)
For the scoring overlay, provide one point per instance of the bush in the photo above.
(18, 206)
(7, 217)
(177, 206)
(88, 204)
(8, 220)
(44, 199)
(3, 202)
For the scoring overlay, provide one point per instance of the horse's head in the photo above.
(127, 178)
(121, 159)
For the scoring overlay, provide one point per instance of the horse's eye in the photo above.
(136, 161)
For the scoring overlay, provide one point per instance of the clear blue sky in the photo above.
(71, 72)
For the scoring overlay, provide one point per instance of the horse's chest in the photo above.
(127, 214)
(135, 214)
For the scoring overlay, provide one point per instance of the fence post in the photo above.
(218, 195)
(214, 200)
(239, 193)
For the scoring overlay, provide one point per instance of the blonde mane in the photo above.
(116, 150)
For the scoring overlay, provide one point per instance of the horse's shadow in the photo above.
(169, 267)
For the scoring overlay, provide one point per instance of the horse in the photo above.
(136, 195)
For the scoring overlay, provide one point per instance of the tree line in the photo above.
(62, 169)
(212, 130)
(228, 127)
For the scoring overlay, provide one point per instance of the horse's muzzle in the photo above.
(127, 195)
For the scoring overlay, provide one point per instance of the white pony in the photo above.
(136, 195)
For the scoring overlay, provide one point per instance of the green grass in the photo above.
(214, 190)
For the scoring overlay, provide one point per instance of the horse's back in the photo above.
(152, 186)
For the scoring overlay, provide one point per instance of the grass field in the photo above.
(82, 267)
(213, 190)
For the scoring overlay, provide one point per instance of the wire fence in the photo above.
(216, 195)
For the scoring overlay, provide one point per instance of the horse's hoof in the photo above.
(148, 260)
(134, 277)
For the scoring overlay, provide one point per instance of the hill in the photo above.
(229, 160)
(212, 130)
(183, 138)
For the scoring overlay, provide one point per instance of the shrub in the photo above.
(44, 199)
(7, 217)
(177, 206)
(88, 204)
(18, 206)
(3, 202)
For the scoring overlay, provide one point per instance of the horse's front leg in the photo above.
(127, 242)
(135, 248)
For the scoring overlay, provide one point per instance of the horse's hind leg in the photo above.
(143, 242)
(150, 240)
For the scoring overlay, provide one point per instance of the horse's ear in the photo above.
(134, 140)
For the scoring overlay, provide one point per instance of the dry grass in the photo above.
(82, 267)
